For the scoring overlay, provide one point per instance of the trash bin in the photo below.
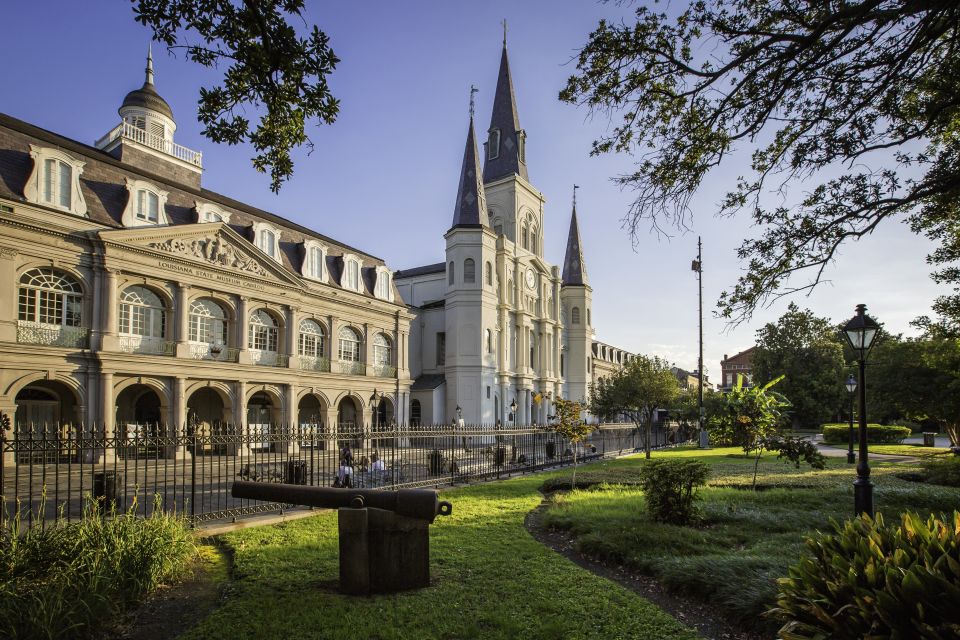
(106, 489)
(929, 439)
(296, 472)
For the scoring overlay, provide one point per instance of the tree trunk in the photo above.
(573, 483)
(646, 435)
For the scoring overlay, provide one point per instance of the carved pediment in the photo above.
(214, 244)
(215, 250)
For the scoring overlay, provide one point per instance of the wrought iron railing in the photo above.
(220, 353)
(48, 471)
(269, 358)
(352, 368)
(52, 335)
(313, 363)
(384, 371)
(146, 345)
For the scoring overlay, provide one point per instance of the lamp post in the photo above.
(375, 403)
(697, 265)
(513, 411)
(851, 387)
(861, 331)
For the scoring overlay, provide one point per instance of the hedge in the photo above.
(876, 433)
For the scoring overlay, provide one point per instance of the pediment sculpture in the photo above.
(214, 250)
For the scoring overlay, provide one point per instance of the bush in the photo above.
(945, 471)
(670, 488)
(876, 433)
(871, 580)
(796, 450)
(65, 580)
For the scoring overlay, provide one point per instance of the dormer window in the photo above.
(384, 289)
(145, 204)
(207, 212)
(55, 181)
(267, 239)
(314, 259)
(493, 144)
(351, 273)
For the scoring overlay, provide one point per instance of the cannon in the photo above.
(384, 538)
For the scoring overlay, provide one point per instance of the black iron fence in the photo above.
(49, 472)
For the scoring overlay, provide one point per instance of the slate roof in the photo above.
(574, 268)
(428, 382)
(439, 267)
(506, 119)
(471, 207)
(104, 189)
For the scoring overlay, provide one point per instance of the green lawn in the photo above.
(746, 539)
(915, 450)
(490, 580)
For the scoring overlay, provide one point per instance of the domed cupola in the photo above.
(145, 109)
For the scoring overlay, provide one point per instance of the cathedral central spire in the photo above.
(506, 141)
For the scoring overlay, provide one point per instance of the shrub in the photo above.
(796, 450)
(876, 433)
(670, 488)
(868, 579)
(945, 471)
(64, 580)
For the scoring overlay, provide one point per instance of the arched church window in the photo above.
(489, 274)
(575, 315)
(493, 144)
(469, 271)
(450, 274)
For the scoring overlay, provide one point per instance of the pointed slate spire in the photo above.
(471, 207)
(505, 152)
(574, 268)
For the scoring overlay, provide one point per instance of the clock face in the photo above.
(531, 278)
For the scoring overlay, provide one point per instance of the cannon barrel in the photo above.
(422, 504)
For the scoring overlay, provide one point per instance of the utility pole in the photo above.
(698, 267)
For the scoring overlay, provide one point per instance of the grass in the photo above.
(69, 579)
(914, 450)
(745, 540)
(490, 579)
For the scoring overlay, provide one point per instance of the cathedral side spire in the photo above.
(574, 268)
(471, 207)
(506, 141)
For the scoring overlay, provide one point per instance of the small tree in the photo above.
(571, 426)
(636, 390)
(753, 415)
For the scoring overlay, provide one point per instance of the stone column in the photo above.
(293, 443)
(109, 410)
(110, 310)
(178, 427)
(291, 336)
(331, 429)
(182, 326)
(240, 416)
(243, 320)
(96, 318)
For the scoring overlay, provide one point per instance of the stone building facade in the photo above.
(131, 297)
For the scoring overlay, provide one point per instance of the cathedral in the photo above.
(133, 297)
(499, 332)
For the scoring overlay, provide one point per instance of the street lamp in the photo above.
(513, 410)
(375, 403)
(459, 413)
(861, 331)
(851, 387)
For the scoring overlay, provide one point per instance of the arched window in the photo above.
(382, 351)
(142, 313)
(50, 297)
(488, 339)
(315, 263)
(415, 413)
(312, 339)
(349, 345)
(575, 315)
(263, 332)
(489, 274)
(353, 275)
(208, 322)
(588, 317)
(267, 241)
(384, 290)
(534, 240)
(148, 205)
(525, 237)
(450, 274)
(493, 144)
(469, 271)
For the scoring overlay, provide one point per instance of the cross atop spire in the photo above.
(149, 79)
(574, 267)
(504, 32)
(506, 153)
(473, 92)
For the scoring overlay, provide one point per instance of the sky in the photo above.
(383, 177)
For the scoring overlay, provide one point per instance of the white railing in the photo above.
(146, 344)
(51, 335)
(152, 140)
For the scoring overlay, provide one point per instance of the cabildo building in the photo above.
(130, 295)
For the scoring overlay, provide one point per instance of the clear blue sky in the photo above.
(384, 176)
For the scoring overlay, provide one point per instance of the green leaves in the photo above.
(867, 579)
(271, 68)
(669, 487)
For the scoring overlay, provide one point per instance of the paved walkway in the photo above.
(840, 451)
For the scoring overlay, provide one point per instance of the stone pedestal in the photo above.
(382, 552)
